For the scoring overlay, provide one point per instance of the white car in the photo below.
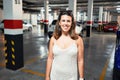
(95, 25)
(26, 26)
(78, 28)
(51, 28)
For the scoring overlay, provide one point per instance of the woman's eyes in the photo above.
(66, 20)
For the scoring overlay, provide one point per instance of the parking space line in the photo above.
(33, 72)
(2, 64)
(103, 73)
(102, 76)
(32, 60)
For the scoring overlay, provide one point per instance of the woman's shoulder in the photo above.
(79, 40)
(52, 39)
(79, 37)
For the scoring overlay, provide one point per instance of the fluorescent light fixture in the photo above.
(118, 9)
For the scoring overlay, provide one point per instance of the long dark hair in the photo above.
(57, 33)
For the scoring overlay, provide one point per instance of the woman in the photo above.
(65, 57)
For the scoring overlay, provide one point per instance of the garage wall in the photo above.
(26, 17)
(118, 20)
(114, 17)
(34, 19)
(1, 14)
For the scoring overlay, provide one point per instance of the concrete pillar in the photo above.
(78, 16)
(72, 6)
(34, 19)
(84, 16)
(89, 18)
(1, 14)
(26, 17)
(118, 19)
(104, 17)
(108, 16)
(13, 34)
(100, 27)
(55, 16)
(42, 17)
(42, 13)
(46, 4)
(100, 15)
(114, 18)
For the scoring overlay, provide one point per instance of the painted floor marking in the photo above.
(103, 73)
(33, 72)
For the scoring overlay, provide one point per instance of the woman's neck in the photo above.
(65, 33)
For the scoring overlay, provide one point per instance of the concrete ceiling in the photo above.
(35, 5)
(109, 5)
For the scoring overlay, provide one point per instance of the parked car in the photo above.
(51, 28)
(26, 26)
(110, 27)
(95, 25)
(79, 28)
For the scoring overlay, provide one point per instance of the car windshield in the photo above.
(54, 22)
(112, 24)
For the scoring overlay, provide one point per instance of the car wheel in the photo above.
(29, 29)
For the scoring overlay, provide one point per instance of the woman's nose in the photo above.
(66, 22)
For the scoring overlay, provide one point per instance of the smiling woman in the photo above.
(66, 51)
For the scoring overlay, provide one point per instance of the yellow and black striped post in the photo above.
(13, 33)
(13, 47)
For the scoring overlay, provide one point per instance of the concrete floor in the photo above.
(99, 56)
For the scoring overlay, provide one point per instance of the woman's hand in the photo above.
(47, 78)
(81, 79)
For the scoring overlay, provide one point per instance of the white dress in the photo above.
(64, 66)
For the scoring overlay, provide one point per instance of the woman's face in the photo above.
(65, 23)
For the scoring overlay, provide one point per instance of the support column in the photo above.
(55, 14)
(100, 19)
(89, 20)
(42, 18)
(46, 4)
(105, 17)
(100, 15)
(72, 6)
(34, 19)
(84, 16)
(113, 17)
(42, 13)
(108, 16)
(78, 16)
(13, 34)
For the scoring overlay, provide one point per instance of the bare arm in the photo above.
(49, 60)
(80, 57)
